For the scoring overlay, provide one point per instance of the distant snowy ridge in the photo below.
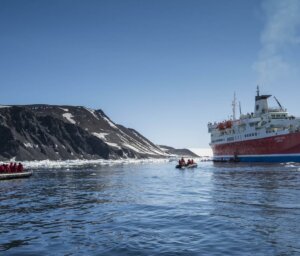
(178, 152)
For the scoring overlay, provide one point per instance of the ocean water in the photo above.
(153, 209)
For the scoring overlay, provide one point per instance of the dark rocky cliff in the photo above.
(39, 132)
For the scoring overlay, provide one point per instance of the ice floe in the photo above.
(49, 164)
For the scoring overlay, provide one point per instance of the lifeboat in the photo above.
(221, 126)
(228, 124)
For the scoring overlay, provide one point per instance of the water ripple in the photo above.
(153, 209)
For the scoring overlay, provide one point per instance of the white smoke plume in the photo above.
(279, 37)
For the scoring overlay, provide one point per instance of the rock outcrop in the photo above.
(39, 132)
(178, 152)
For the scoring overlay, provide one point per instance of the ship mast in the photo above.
(233, 107)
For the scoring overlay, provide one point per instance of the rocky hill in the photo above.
(39, 132)
(178, 152)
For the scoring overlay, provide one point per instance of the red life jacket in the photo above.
(20, 168)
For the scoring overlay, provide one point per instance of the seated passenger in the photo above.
(20, 168)
(10, 167)
(182, 161)
(14, 167)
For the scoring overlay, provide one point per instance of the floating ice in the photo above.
(49, 164)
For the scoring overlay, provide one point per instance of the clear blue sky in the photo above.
(163, 67)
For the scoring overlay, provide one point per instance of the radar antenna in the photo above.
(257, 90)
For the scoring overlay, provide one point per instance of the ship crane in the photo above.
(280, 106)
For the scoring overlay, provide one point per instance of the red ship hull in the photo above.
(280, 148)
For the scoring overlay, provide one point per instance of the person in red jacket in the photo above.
(10, 167)
(182, 162)
(20, 168)
(14, 168)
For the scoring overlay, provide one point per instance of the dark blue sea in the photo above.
(153, 209)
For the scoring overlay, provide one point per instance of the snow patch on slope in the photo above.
(113, 145)
(92, 112)
(111, 124)
(126, 145)
(151, 147)
(100, 135)
(163, 149)
(28, 145)
(69, 117)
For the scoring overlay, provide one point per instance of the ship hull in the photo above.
(280, 148)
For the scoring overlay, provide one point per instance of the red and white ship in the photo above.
(266, 135)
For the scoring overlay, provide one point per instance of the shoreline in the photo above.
(79, 163)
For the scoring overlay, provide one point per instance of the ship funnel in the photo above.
(261, 103)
